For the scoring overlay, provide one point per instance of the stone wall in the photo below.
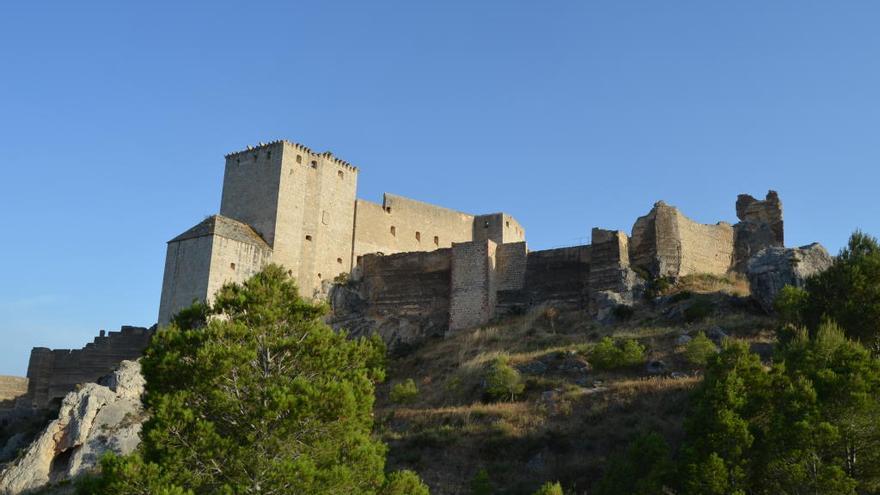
(668, 244)
(558, 277)
(609, 265)
(760, 227)
(705, 248)
(11, 388)
(187, 272)
(500, 228)
(402, 297)
(52, 373)
(474, 284)
(404, 225)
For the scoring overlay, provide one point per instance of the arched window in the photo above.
(341, 174)
(418, 237)
(436, 241)
(393, 231)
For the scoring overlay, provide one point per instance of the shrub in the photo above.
(609, 354)
(503, 382)
(480, 484)
(658, 286)
(644, 468)
(699, 350)
(404, 483)
(700, 309)
(404, 392)
(550, 489)
(791, 303)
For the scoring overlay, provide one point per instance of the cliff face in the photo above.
(96, 418)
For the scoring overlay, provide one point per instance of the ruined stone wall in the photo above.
(609, 260)
(705, 248)
(668, 244)
(474, 284)
(11, 388)
(558, 277)
(403, 297)
(405, 225)
(760, 227)
(53, 373)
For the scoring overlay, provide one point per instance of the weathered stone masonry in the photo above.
(482, 280)
(52, 373)
(416, 270)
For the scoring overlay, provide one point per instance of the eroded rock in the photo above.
(775, 267)
(96, 418)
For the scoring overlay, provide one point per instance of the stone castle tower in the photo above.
(285, 204)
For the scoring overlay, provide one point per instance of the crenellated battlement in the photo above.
(52, 373)
(326, 155)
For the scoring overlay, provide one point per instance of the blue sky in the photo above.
(115, 116)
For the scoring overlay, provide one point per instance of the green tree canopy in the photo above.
(848, 293)
(255, 394)
(811, 424)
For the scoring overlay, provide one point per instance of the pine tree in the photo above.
(258, 396)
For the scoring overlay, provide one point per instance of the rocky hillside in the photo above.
(96, 418)
(571, 415)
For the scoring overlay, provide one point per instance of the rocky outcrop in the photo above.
(96, 418)
(775, 267)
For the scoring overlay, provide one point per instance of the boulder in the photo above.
(96, 418)
(682, 340)
(606, 301)
(773, 268)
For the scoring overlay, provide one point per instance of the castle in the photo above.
(412, 270)
(420, 269)
(285, 204)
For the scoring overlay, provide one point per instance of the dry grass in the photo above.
(567, 422)
(733, 284)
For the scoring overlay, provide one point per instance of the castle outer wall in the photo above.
(52, 373)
